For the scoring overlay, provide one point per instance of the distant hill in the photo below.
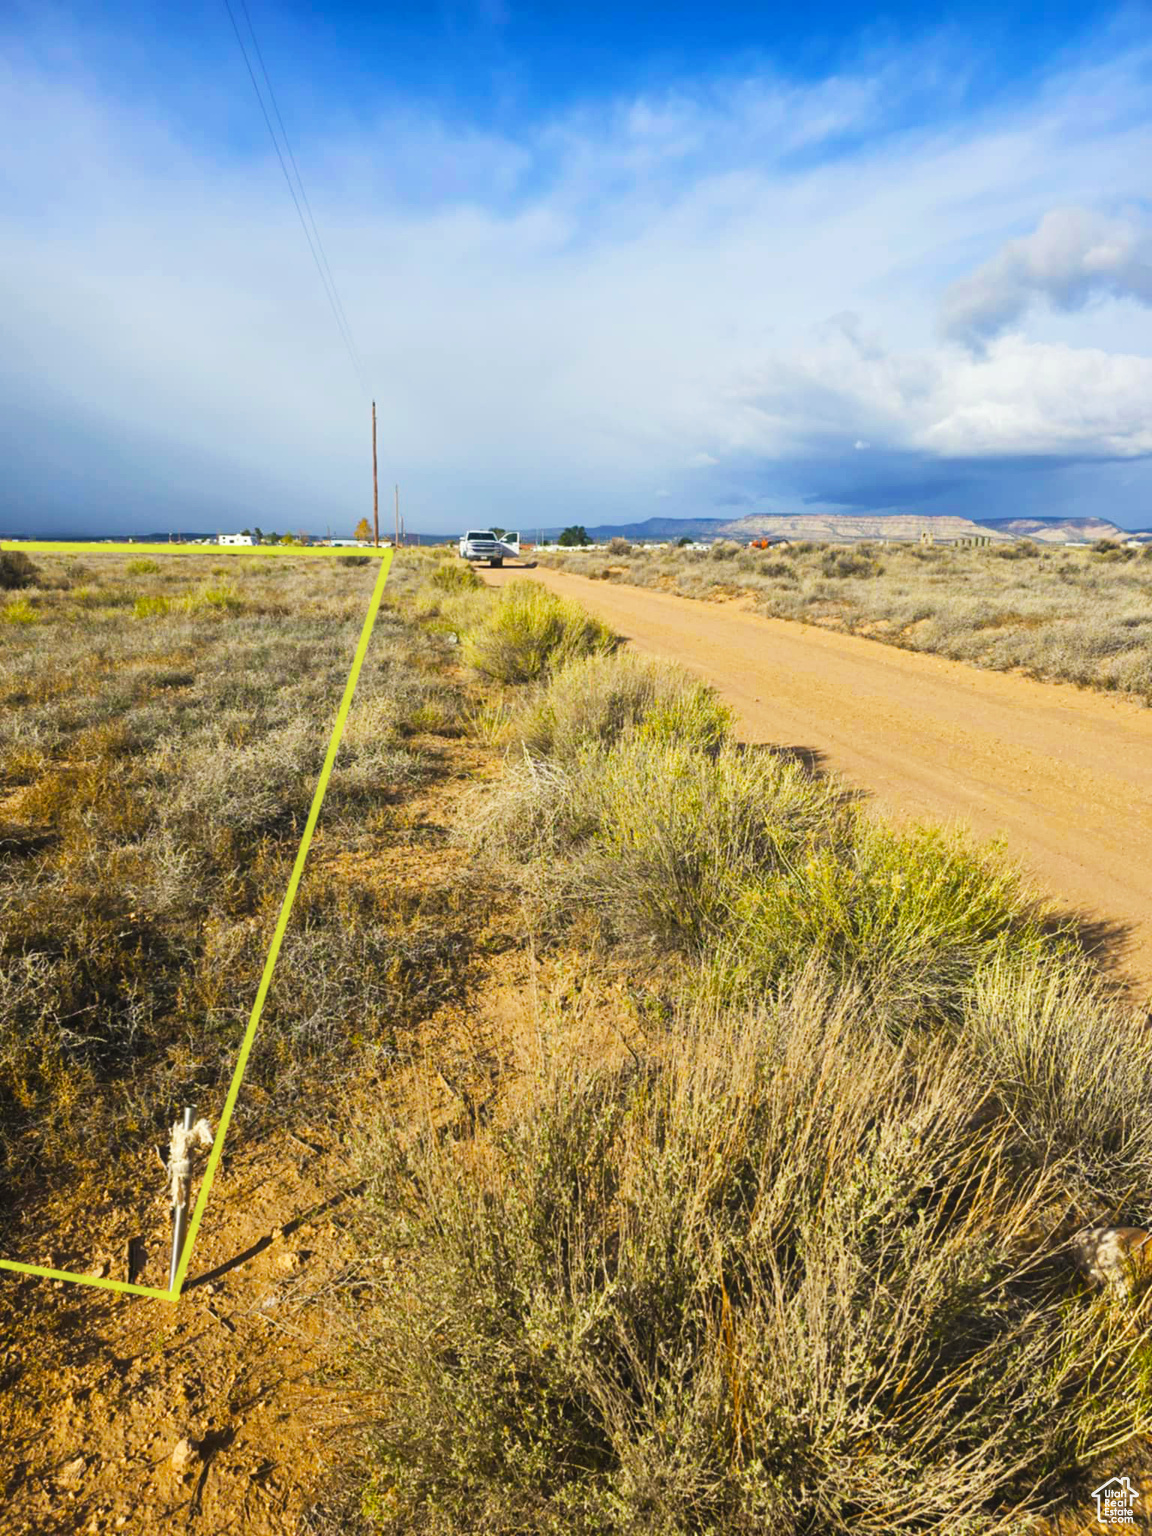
(844, 527)
(824, 528)
(651, 528)
(1057, 530)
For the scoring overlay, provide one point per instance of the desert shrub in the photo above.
(1050, 1044)
(1022, 549)
(353, 559)
(142, 567)
(655, 836)
(619, 547)
(597, 699)
(18, 610)
(852, 564)
(724, 549)
(910, 915)
(16, 570)
(1080, 617)
(741, 858)
(529, 632)
(455, 578)
(774, 1277)
(456, 613)
(219, 597)
(151, 606)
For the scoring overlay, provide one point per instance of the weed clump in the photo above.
(1022, 549)
(529, 632)
(18, 610)
(455, 578)
(151, 606)
(854, 564)
(600, 698)
(219, 597)
(16, 570)
(911, 916)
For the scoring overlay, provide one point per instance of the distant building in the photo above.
(235, 538)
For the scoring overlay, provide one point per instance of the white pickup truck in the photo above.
(484, 545)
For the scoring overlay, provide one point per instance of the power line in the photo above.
(311, 235)
(300, 185)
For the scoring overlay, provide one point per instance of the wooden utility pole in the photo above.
(375, 486)
(397, 504)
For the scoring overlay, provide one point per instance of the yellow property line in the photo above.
(52, 547)
(173, 1294)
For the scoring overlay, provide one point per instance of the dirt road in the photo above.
(1063, 775)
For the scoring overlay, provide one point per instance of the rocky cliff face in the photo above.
(1058, 530)
(846, 527)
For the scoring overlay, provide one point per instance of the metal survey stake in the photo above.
(180, 1190)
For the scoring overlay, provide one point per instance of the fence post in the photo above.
(180, 1190)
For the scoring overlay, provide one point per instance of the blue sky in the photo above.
(633, 260)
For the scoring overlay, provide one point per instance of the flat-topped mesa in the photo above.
(908, 527)
(1113, 1256)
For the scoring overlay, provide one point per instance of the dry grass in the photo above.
(162, 725)
(678, 841)
(791, 1257)
(1081, 616)
(795, 1258)
(529, 632)
(774, 1273)
(597, 699)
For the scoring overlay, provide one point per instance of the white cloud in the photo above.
(551, 320)
(1072, 256)
(1017, 397)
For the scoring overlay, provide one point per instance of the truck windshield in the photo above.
(481, 535)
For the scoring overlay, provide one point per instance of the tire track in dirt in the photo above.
(1064, 775)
